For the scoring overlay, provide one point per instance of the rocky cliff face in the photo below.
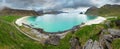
(18, 12)
(106, 10)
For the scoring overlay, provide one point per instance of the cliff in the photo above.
(106, 10)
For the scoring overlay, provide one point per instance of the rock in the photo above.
(88, 44)
(53, 39)
(108, 38)
(108, 24)
(101, 32)
(106, 41)
(117, 22)
(97, 45)
(114, 32)
(75, 44)
(92, 45)
(81, 12)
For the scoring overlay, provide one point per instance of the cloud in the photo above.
(54, 4)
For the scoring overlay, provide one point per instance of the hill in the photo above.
(17, 12)
(106, 10)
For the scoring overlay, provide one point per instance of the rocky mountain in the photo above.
(106, 10)
(18, 12)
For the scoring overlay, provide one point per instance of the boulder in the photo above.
(75, 44)
(117, 22)
(88, 44)
(97, 45)
(106, 41)
(53, 39)
(114, 32)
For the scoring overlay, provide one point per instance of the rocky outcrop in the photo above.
(106, 41)
(106, 10)
(90, 44)
(17, 12)
(53, 39)
(114, 32)
(117, 22)
(75, 44)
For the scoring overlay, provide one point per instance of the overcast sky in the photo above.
(55, 4)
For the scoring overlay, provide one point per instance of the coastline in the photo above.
(22, 20)
(98, 20)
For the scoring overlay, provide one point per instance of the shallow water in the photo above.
(59, 22)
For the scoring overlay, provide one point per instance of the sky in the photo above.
(54, 4)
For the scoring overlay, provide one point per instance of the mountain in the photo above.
(18, 12)
(106, 10)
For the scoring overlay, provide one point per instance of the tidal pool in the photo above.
(58, 22)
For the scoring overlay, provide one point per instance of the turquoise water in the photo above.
(59, 22)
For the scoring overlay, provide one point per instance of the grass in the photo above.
(11, 38)
(89, 32)
(116, 44)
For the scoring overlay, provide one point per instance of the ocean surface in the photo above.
(58, 22)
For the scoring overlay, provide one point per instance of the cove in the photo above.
(58, 22)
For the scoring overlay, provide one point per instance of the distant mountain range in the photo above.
(17, 12)
(106, 10)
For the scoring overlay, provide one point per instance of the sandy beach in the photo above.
(22, 20)
(98, 20)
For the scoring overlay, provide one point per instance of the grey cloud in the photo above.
(55, 4)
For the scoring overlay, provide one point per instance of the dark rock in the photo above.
(117, 22)
(81, 12)
(39, 30)
(75, 44)
(114, 32)
(54, 40)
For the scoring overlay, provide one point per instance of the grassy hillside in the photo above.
(106, 10)
(11, 38)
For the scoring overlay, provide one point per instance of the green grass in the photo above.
(11, 38)
(116, 44)
(89, 32)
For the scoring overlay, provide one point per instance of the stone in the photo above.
(117, 22)
(53, 39)
(106, 41)
(97, 45)
(88, 44)
(114, 32)
(75, 44)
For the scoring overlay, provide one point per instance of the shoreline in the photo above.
(62, 34)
